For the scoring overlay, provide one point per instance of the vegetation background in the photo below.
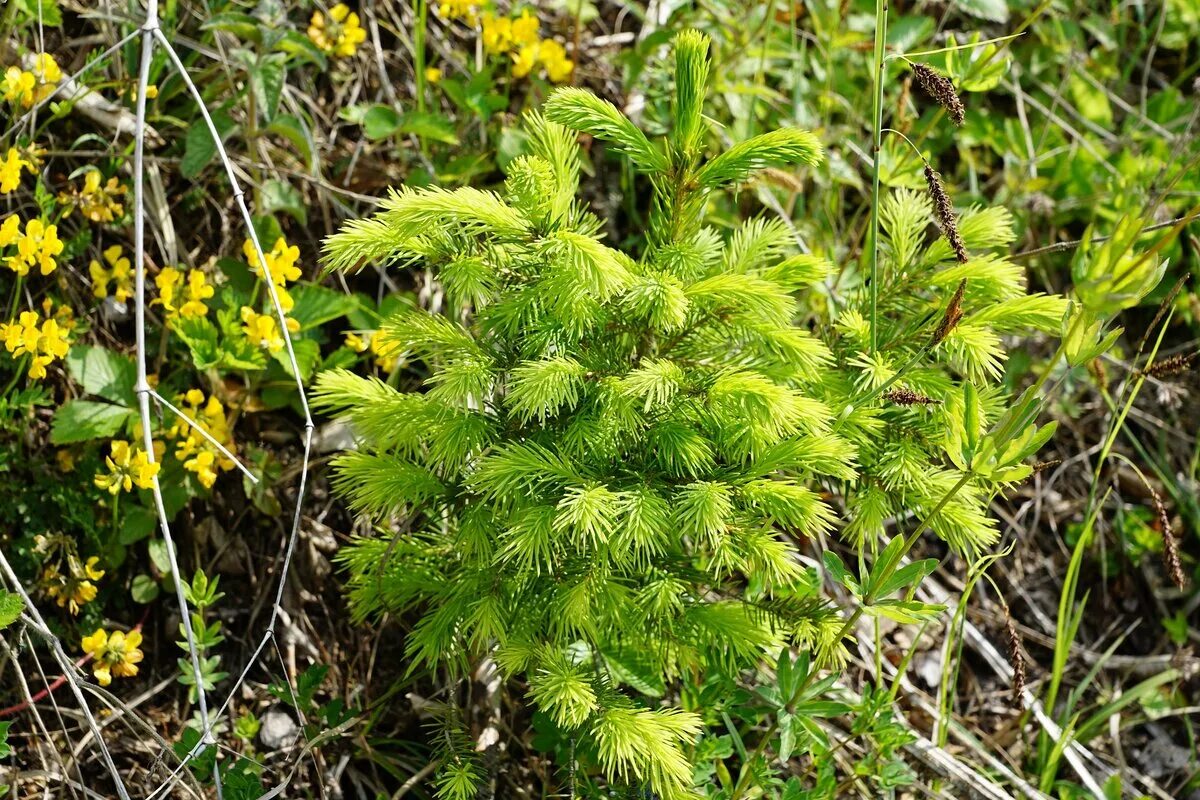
(1041, 642)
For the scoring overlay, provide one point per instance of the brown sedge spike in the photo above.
(939, 87)
(944, 210)
(951, 317)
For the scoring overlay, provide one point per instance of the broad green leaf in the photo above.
(11, 606)
(991, 10)
(316, 305)
(267, 78)
(200, 335)
(103, 373)
(243, 26)
(199, 148)
(85, 420)
(380, 121)
(144, 589)
(297, 135)
(308, 355)
(279, 195)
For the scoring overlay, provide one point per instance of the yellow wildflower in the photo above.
(151, 92)
(115, 654)
(524, 60)
(497, 34)
(36, 247)
(340, 34)
(10, 230)
(554, 57)
(119, 272)
(195, 292)
(194, 450)
(127, 467)
(457, 9)
(261, 329)
(525, 28)
(96, 200)
(281, 264)
(10, 171)
(64, 315)
(75, 589)
(65, 460)
(433, 74)
(43, 344)
(386, 358)
(26, 87)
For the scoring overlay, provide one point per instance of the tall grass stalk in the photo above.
(881, 10)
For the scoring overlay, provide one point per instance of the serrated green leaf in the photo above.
(11, 606)
(316, 305)
(199, 148)
(85, 420)
(103, 373)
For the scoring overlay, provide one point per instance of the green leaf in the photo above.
(991, 10)
(835, 567)
(380, 121)
(908, 574)
(308, 355)
(428, 125)
(316, 305)
(296, 133)
(628, 667)
(267, 78)
(45, 12)
(159, 555)
(200, 335)
(301, 47)
(85, 420)
(199, 147)
(144, 589)
(279, 195)
(906, 612)
(137, 522)
(243, 26)
(103, 373)
(11, 606)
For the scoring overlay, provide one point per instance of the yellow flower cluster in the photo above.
(37, 246)
(458, 9)
(75, 589)
(96, 199)
(281, 264)
(127, 467)
(117, 654)
(197, 453)
(26, 87)
(44, 344)
(338, 35)
(385, 358)
(64, 315)
(519, 37)
(66, 579)
(10, 170)
(173, 288)
(119, 273)
(261, 329)
(550, 54)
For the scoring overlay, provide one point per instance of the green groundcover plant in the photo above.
(608, 480)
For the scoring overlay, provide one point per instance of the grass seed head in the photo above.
(939, 87)
(1174, 365)
(1170, 545)
(944, 210)
(952, 316)
(907, 397)
(1016, 658)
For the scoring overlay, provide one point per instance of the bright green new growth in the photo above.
(604, 481)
